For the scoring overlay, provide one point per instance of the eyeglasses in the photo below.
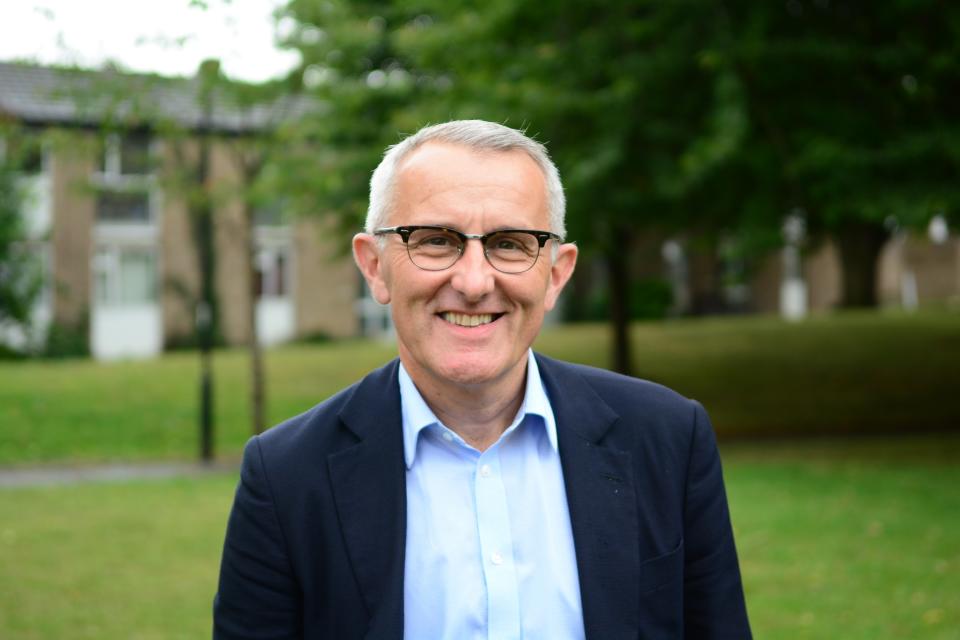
(437, 248)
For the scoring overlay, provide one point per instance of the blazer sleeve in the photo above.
(713, 601)
(257, 596)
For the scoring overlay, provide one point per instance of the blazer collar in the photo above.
(602, 501)
(369, 487)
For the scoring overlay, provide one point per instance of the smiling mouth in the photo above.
(469, 320)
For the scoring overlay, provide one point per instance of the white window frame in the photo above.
(111, 254)
(271, 240)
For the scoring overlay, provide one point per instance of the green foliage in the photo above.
(853, 109)
(717, 117)
(632, 138)
(20, 272)
(68, 341)
(353, 71)
(635, 118)
(318, 337)
(650, 299)
(8, 353)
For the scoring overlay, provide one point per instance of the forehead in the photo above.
(445, 183)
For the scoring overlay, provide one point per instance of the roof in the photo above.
(74, 97)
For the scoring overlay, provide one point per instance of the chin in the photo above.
(469, 371)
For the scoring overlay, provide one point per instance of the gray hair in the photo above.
(475, 134)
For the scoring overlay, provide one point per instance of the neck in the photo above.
(479, 413)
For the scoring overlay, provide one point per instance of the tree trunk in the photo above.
(859, 244)
(619, 291)
(206, 317)
(705, 277)
(257, 378)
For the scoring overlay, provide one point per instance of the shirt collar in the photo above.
(417, 416)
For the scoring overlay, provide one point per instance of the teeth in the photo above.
(467, 320)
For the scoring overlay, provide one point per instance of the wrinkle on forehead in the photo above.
(454, 180)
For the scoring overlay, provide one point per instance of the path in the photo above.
(48, 475)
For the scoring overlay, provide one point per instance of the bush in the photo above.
(650, 299)
(8, 353)
(68, 341)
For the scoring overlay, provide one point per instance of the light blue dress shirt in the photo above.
(489, 552)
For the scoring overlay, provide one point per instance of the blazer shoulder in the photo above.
(615, 387)
(638, 404)
(320, 429)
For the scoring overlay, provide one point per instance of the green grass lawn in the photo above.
(856, 539)
(135, 560)
(866, 372)
(849, 538)
(855, 372)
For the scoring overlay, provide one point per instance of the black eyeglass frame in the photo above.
(405, 231)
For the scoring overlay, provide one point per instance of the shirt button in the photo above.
(496, 558)
(485, 471)
(448, 436)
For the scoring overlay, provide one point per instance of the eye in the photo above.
(434, 241)
(506, 244)
(437, 239)
(510, 245)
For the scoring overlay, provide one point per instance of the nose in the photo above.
(472, 276)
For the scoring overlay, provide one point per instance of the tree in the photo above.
(634, 116)
(853, 105)
(241, 122)
(201, 210)
(264, 112)
(20, 275)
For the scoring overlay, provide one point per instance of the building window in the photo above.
(375, 320)
(273, 242)
(269, 216)
(123, 206)
(123, 182)
(125, 276)
(272, 278)
(127, 155)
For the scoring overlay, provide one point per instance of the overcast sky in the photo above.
(162, 36)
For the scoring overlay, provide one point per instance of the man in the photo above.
(472, 489)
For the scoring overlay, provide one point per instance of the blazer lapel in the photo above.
(369, 486)
(602, 500)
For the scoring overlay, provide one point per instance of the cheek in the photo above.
(535, 294)
(411, 296)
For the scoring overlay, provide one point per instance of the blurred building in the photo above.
(915, 270)
(694, 274)
(115, 233)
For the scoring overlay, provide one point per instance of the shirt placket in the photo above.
(496, 548)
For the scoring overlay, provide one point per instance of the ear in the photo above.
(560, 272)
(366, 253)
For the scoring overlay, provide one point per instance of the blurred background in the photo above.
(765, 196)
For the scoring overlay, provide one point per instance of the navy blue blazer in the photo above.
(315, 541)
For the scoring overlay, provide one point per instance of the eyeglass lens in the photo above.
(438, 249)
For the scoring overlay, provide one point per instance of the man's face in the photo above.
(436, 313)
